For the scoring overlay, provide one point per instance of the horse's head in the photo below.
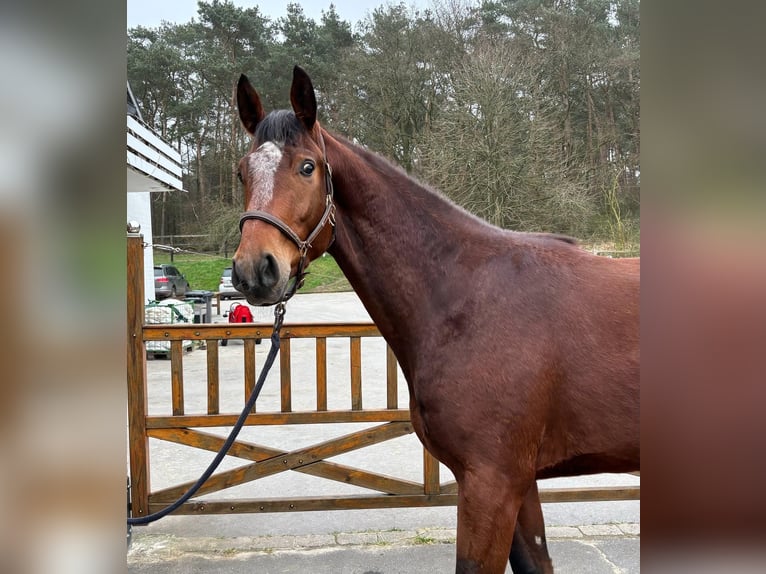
(288, 194)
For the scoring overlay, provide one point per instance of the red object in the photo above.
(239, 313)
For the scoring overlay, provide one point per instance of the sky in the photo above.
(150, 13)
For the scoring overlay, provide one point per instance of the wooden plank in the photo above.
(582, 494)
(310, 331)
(321, 369)
(356, 373)
(350, 502)
(294, 459)
(285, 376)
(430, 473)
(322, 469)
(448, 487)
(177, 376)
(362, 478)
(136, 378)
(249, 368)
(392, 397)
(373, 501)
(211, 442)
(213, 386)
(300, 417)
(590, 494)
(180, 331)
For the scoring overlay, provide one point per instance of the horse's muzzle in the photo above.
(259, 280)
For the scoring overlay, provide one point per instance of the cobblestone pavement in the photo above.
(592, 549)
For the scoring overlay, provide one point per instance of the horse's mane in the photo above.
(284, 128)
(280, 126)
(383, 164)
(554, 236)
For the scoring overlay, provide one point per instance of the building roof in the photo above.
(153, 164)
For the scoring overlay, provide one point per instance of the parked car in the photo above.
(225, 289)
(169, 282)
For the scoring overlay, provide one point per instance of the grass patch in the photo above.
(201, 271)
(204, 272)
(324, 276)
(421, 539)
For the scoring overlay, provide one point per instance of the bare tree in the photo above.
(496, 149)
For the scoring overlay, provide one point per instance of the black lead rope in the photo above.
(279, 313)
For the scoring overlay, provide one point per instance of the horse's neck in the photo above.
(396, 243)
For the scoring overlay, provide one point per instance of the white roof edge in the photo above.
(153, 139)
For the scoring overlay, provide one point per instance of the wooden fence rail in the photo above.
(187, 428)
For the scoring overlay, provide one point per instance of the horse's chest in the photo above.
(435, 419)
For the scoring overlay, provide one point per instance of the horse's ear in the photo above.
(303, 99)
(249, 104)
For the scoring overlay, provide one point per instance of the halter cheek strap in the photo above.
(302, 245)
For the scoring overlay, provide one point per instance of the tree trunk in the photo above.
(236, 193)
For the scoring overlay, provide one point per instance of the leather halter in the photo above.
(302, 245)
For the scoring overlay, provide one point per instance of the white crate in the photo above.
(167, 312)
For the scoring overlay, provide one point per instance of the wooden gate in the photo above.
(187, 428)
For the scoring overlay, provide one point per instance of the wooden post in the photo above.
(249, 369)
(213, 387)
(356, 373)
(392, 398)
(285, 376)
(136, 374)
(177, 377)
(430, 473)
(321, 368)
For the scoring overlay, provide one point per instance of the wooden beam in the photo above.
(294, 459)
(181, 331)
(301, 418)
(321, 469)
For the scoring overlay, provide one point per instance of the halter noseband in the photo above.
(303, 245)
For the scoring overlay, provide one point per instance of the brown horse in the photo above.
(520, 350)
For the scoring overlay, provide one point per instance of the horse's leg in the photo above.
(529, 551)
(487, 508)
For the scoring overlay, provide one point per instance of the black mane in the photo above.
(280, 126)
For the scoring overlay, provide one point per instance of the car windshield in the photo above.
(157, 272)
(227, 272)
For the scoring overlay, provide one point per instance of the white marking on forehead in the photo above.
(261, 168)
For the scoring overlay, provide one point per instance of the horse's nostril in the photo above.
(255, 276)
(234, 276)
(268, 271)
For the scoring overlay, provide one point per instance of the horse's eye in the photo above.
(307, 167)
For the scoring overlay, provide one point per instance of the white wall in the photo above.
(140, 209)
